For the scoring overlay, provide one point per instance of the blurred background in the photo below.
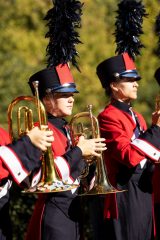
(23, 52)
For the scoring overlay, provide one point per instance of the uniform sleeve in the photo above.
(120, 145)
(148, 142)
(71, 164)
(76, 162)
(20, 158)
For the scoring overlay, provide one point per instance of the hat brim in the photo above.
(66, 90)
(130, 74)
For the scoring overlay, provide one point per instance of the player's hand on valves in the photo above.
(91, 146)
(156, 118)
(41, 138)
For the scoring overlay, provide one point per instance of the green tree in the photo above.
(22, 48)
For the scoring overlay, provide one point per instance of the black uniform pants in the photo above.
(134, 211)
(5, 223)
(57, 225)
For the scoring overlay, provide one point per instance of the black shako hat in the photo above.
(157, 75)
(55, 79)
(116, 68)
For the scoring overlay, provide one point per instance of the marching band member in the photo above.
(132, 151)
(156, 176)
(18, 162)
(57, 215)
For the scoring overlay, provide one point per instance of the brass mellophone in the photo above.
(86, 124)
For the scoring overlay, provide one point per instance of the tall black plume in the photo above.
(128, 24)
(63, 21)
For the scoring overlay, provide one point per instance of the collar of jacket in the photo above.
(56, 121)
(121, 106)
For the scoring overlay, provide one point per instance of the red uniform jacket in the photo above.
(117, 127)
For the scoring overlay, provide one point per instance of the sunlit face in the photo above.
(59, 104)
(125, 89)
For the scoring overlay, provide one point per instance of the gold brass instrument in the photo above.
(50, 180)
(91, 130)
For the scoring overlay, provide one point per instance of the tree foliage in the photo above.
(23, 52)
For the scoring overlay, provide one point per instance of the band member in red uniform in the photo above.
(156, 176)
(57, 215)
(18, 161)
(132, 151)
